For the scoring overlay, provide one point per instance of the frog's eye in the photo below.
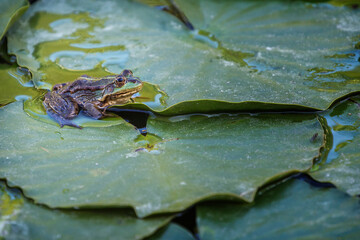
(120, 79)
(127, 73)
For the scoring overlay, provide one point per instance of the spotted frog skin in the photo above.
(91, 95)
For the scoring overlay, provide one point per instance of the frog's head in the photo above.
(121, 89)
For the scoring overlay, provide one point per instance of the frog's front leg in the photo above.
(93, 110)
(61, 108)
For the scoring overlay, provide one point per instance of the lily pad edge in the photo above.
(210, 197)
(205, 105)
(20, 11)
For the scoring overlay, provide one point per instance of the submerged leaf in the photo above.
(15, 84)
(292, 210)
(21, 219)
(182, 159)
(290, 54)
(340, 163)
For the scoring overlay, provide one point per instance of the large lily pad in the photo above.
(10, 11)
(341, 159)
(292, 210)
(190, 158)
(290, 54)
(21, 219)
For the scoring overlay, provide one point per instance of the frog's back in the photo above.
(86, 80)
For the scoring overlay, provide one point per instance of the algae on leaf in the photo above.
(278, 52)
(15, 85)
(183, 159)
(292, 210)
(340, 163)
(10, 11)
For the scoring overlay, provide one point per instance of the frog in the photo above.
(90, 95)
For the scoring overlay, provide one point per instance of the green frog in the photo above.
(91, 95)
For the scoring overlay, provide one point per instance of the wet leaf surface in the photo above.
(10, 11)
(22, 219)
(285, 52)
(291, 210)
(340, 163)
(250, 56)
(15, 85)
(182, 159)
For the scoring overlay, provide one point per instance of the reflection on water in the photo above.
(150, 143)
(341, 124)
(112, 61)
(16, 84)
(206, 37)
(227, 54)
(10, 201)
(22, 75)
(345, 70)
(151, 95)
(72, 48)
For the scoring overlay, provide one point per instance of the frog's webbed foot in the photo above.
(61, 120)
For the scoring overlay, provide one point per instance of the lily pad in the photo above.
(10, 11)
(292, 210)
(340, 163)
(15, 84)
(286, 53)
(182, 160)
(21, 219)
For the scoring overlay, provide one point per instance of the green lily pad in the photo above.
(292, 210)
(21, 219)
(242, 54)
(173, 232)
(15, 84)
(340, 163)
(182, 160)
(10, 11)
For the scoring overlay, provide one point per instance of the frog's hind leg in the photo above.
(61, 120)
(61, 109)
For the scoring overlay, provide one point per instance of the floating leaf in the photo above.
(10, 11)
(292, 210)
(21, 219)
(183, 159)
(340, 163)
(243, 54)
